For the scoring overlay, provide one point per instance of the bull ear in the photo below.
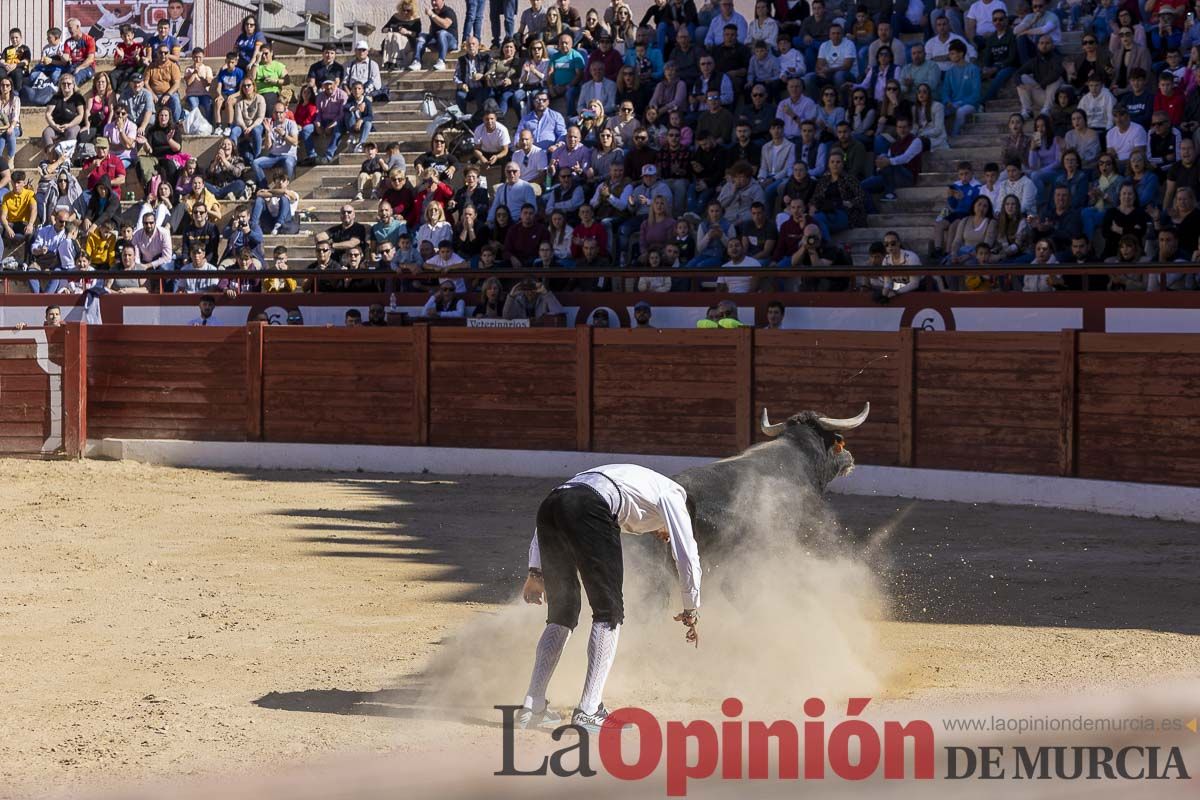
(831, 424)
(768, 428)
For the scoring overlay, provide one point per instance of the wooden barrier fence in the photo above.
(1092, 405)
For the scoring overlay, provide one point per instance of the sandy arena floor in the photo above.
(159, 621)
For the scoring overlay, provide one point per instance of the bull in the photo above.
(804, 454)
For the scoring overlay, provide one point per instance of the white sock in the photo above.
(549, 650)
(602, 651)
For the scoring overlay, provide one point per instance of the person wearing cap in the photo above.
(331, 107)
(140, 102)
(365, 71)
(443, 34)
(606, 55)
(641, 314)
(326, 67)
(270, 76)
(104, 165)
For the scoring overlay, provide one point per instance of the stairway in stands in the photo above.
(912, 213)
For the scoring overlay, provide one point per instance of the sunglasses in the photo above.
(324, 249)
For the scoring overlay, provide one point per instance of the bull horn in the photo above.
(831, 424)
(768, 428)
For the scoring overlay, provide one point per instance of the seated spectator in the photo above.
(1126, 219)
(818, 254)
(445, 303)
(442, 35)
(837, 202)
(978, 228)
(437, 157)
(513, 194)
(249, 113)
(492, 140)
(895, 256)
(328, 67)
(491, 300)
(400, 35)
(331, 106)
(531, 300)
(737, 260)
(899, 165)
(961, 87)
(65, 115)
(1083, 140)
(282, 138)
(1043, 254)
(229, 83)
(359, 116)
(224, 175)
(129, 57)
(712, 238)
(370, 172)
(1059, 221)
(1039, 77)
(1014, 235)
(164, 79)
(566, 196)
(471, 235)
(199, 233)
(1019, 184)
(165, 142)
(270, 76)
(361, 69)
(522, 240)
(274, 207)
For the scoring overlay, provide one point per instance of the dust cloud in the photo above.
(786, 615)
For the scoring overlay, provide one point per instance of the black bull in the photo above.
(806, 451)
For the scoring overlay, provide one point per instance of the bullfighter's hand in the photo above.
(690, 620)
(534, 590)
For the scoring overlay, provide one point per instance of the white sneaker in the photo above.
(439, 65)
(358, 148)
(275, 231)
(416, 64)
(592, 722)
(546, 718)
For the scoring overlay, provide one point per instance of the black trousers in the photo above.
(579, 539)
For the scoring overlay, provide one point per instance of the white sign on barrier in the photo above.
(497, 323)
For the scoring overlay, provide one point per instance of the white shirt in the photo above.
(938, 51)
(492, 141)
(531, 163)
(643, 501)
(981, 11)
(835, 54)
(739, 284)
(1124, 143)
(1024, 189)
(1098, 110)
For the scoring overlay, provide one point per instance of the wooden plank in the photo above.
(1021, 465)
(934, 417)
(23, 430)
(744, 387)
(389, 335)
(21, 445)
(529, 336)
(168, 365)
(327, 368)
(995, 399)
(1165, 383)
(943, 361)
(982, 435)
(1122, 404)
(21, 368)
(26, 412)
(169, 336)
(652, 372)
(368, 403)
(509, 401)
(906, 400)
(164, 395)
(583, 387)
(368, 356)
(825, 359)
(665, 424)
(654, 337)
(421, 388)
(613, 404)
(1184, 344)
(481, 354)
(1067, 395)
(636, 357)
(23, 383)
(1181, 427)
(198, 433)
(232, 412)
(1138, 365)
(395, 384)
(207, 380)
(110, 349)
(662, 389)
(254, 380)
(972, 342)
(824, 340)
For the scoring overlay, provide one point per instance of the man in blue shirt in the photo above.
(546, 124)
(567, 68)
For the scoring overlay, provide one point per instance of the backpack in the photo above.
(37, 95)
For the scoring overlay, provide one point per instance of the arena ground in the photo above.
(161, 622)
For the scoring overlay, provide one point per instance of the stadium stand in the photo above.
(805, 134)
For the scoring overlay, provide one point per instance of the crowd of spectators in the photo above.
(695, 139)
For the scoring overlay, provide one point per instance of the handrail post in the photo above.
(583, 387)
(74, 389)
(906, 389)
(255, 351)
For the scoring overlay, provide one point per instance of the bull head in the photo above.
(828, 423)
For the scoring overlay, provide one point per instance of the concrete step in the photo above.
(902, 219)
